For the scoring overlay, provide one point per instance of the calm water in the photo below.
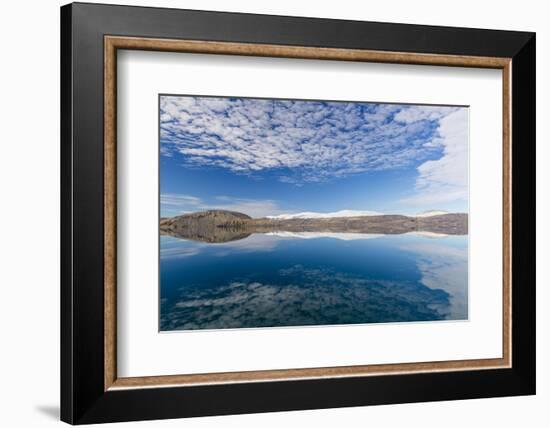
(272, 280)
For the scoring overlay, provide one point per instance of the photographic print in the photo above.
(287, 213)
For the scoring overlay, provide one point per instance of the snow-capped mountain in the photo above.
(346, 213)
(431, 213)
(310, 214)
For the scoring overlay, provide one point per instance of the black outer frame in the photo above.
(83, 399)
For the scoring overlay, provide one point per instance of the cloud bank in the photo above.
(175, 204)
(299, 141)
(445, 179)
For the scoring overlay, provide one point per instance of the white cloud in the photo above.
(181, 204)
(413, 114)
(446, 179)
(301, 141)
(254, 208)
(178, 200)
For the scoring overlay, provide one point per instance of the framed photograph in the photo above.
(265, 213)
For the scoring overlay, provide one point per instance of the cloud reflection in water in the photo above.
(274, 281)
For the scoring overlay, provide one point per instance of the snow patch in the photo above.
(311, 214)
(431, 213)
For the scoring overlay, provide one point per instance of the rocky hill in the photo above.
(207, 226)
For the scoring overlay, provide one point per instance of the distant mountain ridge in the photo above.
(223, 226)
(336, 214)
(348, 213)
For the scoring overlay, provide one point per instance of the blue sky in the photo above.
(268, 157)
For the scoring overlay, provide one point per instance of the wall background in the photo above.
(29, 214)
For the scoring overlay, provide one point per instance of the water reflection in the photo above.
(270, 280)
(446, 268)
